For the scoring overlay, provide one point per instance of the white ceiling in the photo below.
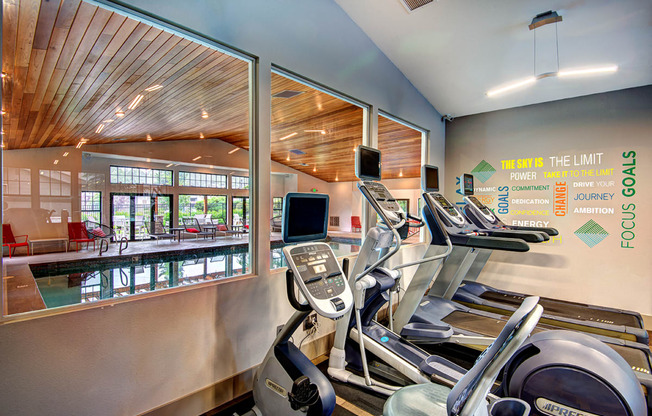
(454, 51)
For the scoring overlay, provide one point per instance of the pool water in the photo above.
(119, 280)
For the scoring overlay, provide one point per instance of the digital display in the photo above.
(320, 268)
(468, 184)
(305, 217)
(443, 201)
(477, 203)
(367, 163)
(430, 178)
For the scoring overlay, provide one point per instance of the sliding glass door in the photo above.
(130, 212)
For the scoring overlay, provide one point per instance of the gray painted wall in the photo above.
(610, 123)
(131, 357)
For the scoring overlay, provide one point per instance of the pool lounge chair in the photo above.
(192, 227)
(157, 231)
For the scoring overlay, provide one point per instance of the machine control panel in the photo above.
(446, 208)
(481, 208)
(320, 278)
(384, 199)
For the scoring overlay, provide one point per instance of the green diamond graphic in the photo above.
(483, 171)
(591, 233)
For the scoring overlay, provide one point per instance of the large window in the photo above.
(153, 134)
(91, 206)
(277, 207)
(239, 182)
(140, 176)
(202, 180)
(209, 207)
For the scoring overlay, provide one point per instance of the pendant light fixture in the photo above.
(539, 20)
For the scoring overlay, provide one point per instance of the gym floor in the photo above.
(351, 401)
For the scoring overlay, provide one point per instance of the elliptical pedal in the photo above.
(303, 395)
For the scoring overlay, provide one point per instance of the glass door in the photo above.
(131, 214)
(121, 216)
(240, 211)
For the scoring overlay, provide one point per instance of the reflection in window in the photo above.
(140, 176)
(54, 183)
(202, 180)
(239, 182)
(16, 181)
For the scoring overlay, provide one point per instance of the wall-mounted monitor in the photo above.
(305, 217)
(467, 184)
(430, 178)
(367, 163)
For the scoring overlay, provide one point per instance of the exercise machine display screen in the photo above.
(305, 217)
(447, 209)
(479, 205)
(430, 178)
(320, 278)
(367, 163)
(381, 197)
(467, 188)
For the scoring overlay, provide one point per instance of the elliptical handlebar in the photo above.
(420, 222)
(289, 280)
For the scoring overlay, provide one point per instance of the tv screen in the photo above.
(367, 163)
(430, 178)
(305, 217)
(468, 184)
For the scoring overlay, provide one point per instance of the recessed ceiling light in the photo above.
(4, 112)
(119, 113)
(154, 88)
(234, 150)
(149, 138)
(337, 179)
(201, 135)
(316, 131)
(134, 103)
(4, 74)
(314, 169)
(56, 161)
(288, 136)
(288, 158)
(65, 154)
(204, 114)
(400, 173)
(99, 128)
(197, 158)
(110, 120)
(169, 164)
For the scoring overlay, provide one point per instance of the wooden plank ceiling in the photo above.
(70, 68)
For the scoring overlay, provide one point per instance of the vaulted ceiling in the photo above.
(454, 51)
(73, 71)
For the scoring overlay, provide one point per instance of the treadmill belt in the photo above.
(567, 309)
(491, 327)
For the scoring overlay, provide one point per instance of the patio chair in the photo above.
(9, 240)
(355, 223)
(192, 227)
(276, 224)
(100, 231)
(78, 233)
(226, 230)
(156, 230)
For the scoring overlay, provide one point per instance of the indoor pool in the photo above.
(90, 284)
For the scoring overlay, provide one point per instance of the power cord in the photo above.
(311, 331)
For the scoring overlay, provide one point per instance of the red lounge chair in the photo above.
(77, 233)
(355, 223)
(9, 239)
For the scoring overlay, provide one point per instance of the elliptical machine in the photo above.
(287, 382)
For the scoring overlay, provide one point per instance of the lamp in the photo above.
(539, 20)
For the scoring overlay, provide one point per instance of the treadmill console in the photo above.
(382, 200)
(480, 208)
(446, 208)
(320, 278)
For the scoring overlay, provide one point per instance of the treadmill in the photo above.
(474, 325)
(602, 320)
